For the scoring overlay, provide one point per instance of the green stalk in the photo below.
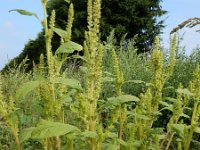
(170, 140)
(16, 138)
(45, 24)
(48, 37)
(192, 127)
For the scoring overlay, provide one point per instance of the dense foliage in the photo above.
(115, 100)
(131, 17)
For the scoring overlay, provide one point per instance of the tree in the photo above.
(134, 17)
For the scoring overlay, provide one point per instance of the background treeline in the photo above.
(131, 17)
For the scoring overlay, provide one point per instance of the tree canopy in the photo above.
(134, 17)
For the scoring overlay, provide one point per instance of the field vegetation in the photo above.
(110, 98)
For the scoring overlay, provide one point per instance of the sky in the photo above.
(16, 30)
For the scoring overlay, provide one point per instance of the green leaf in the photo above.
(123, 99)
(26, 134)
(184, 115)
(107, 79)
(110, 146)
(170, 99)
(136, 144)
(164, 103)
(139, 116)
(197, 130)
(25, 12)
(47, 129)
(122, 142)
(179, 129)
(135, 81)
(72, 83)
(170, 107)
(79, 57)
(69, 47)
(90, 134)
(184, 91)
(60, 32)
(111, 135)
(83, 69)
(25, 88)
(68, 1)
(149, 84)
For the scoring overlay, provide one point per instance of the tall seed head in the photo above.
(70, 22)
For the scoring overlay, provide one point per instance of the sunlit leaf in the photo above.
(122, 99)
(60, 32)
(90, 134)
(179, 129)
(170, 99)
(122, 142)
(184, 91)
(47, 129)
(79, 57)
(83, 69)
(170, 107)
(26, 134)
(136, 144)
(68, 1)
(107, 79)
(197, 130)
(164, 103)
(69, 47)
(139, 116)
(72, 83)
(135, 81)
(184, 115)
(25, 12)
(25, 88)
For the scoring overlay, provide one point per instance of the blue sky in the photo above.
(16, 30)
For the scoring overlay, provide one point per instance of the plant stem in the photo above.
(170, 140)
(193, 122)
(120, 128)
(163, 141)
(57, 143)
(16, 138)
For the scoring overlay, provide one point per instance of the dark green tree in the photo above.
(134, 17)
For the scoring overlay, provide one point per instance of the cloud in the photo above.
(6, 25)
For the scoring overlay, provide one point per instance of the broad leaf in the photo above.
(122, 142)
(25, 12)
(25, 88)
(110, 146)
(79, 57)
(170, 107)
(170, 99)
(68, 1)
(136, 144)
(184, 91)
(135, 81)
(60, 32)
(47, 129)
(184, 115)
(26, 134)
(179, 129)
(164, 103)
(73, 83)
(90, 134)
(197, 130)
(107, 79)
(123, 99)
(69, 47)
(83, 69)
(139, 116)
